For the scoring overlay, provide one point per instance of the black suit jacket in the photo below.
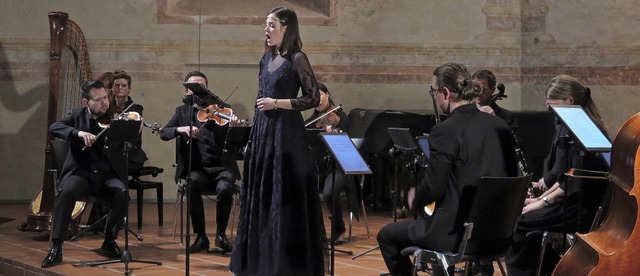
(212, 139)
(94, 158)
(466, 146)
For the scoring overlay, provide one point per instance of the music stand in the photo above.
(405, 145)
(123, 133)
(351, 163)
(205, 95)
(586, 134)
(316, 148)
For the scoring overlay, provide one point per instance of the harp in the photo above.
(68, 68)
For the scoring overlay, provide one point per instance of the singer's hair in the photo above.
(485, 75)
(197, 74)
(456, 78)
(291, 42)
(564, 86)
(121, 74)
(88, 85)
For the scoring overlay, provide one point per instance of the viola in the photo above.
(220, 115)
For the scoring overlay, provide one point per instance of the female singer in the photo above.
(547, 212)
(280, 229)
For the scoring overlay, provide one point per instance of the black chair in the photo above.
(551, 238)
(135, 183)
(59, 151)
(489, 228)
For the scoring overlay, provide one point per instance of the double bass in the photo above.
(613, 248)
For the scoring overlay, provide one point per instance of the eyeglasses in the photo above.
(432, 91)
(120, 85)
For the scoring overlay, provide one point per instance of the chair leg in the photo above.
(159, 193)
(543, 248)
(175, 212)
(467, 268)
(233, 214)
(366, 222)
(501, 267)
(140, 195)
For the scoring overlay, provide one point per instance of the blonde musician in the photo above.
(87, 171)
(469, 144)
(333, 119)
(565, 204)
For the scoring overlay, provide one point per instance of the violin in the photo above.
(329, 118)
(105, 120)
(220, 115)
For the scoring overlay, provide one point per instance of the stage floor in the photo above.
(22, 252)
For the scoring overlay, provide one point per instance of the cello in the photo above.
(614, 246)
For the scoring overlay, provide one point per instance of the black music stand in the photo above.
(351, 163)
(123, 133)
(205, 96)
(318, 148)
(586, 134)
(404, 146)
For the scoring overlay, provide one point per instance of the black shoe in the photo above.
(201, 243)
(53, 258)
(223, 243)
(111, 249)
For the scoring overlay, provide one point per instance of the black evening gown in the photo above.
(280, 229)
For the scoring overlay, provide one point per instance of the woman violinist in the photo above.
(121, 88)
(565, 204)
(333, 121)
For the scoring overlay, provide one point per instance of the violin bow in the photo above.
(323, 115)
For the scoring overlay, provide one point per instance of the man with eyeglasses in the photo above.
(88, 169)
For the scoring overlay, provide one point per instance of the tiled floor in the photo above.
(22, 252)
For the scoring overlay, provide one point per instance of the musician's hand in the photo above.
(531, 200)
(234, 121)
(87, 137)
(328, 128)
(486, 109)
(265, 104)
(540, 185)
(185, 129)
(411, 195)
(533, 206)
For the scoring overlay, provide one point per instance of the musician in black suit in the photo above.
(208, 172)
(94, 170)
(468, 145)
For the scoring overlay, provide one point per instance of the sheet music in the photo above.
(585, 130)
(346, 153)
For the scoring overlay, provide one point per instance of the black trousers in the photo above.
(77, 188)
(222, 183)
(342, 182)
(392, 239)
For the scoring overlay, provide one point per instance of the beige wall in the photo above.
(376, 54)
